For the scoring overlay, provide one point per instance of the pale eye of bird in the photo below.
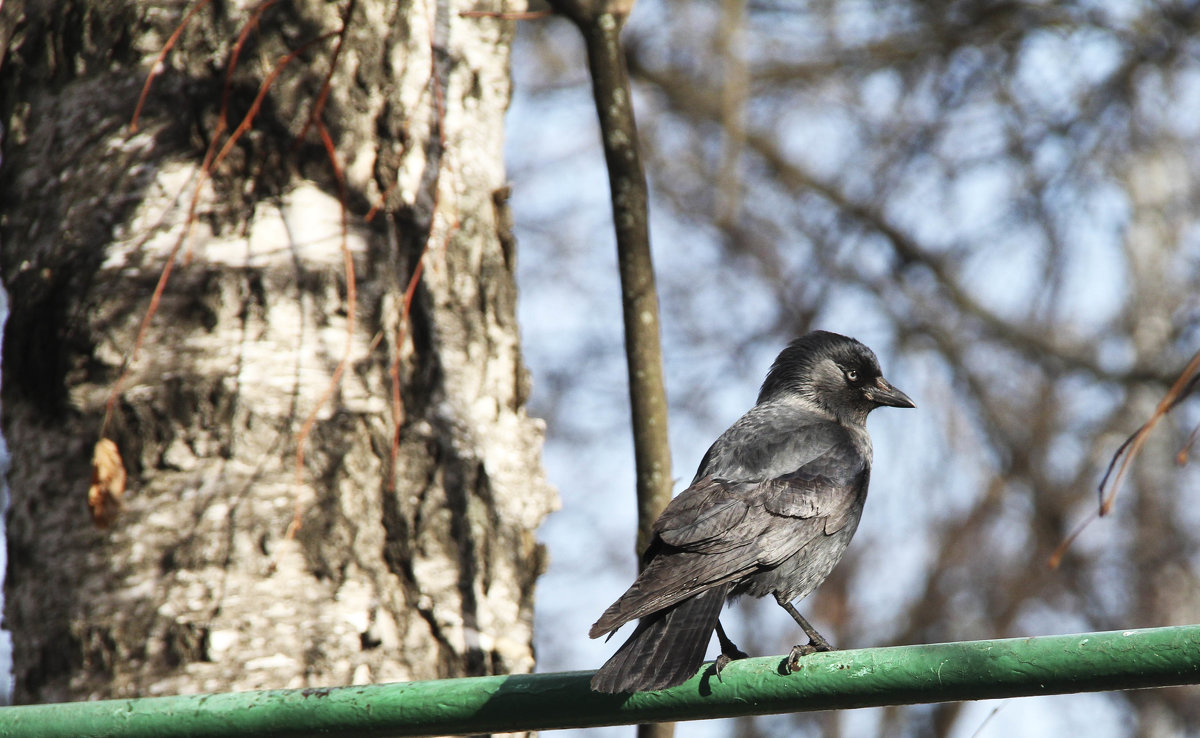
(851, 375)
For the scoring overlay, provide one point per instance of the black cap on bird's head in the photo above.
(835, 372)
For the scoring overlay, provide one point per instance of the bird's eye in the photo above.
(851, 375)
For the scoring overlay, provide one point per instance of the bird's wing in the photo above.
(718, 531)
(703, 530)
(700, 518)
(825, 488)
(770, 441)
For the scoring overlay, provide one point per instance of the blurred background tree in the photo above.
(1001, 199)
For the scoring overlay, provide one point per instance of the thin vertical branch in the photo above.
(600, 22)
(601, 28)
(735, 84)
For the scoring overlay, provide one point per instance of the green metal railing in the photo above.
(1014, 667)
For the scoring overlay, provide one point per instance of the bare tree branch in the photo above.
(600, 23)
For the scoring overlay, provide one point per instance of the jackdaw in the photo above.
(770, 511)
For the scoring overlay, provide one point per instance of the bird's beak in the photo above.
(883, 393)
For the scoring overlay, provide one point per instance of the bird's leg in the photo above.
(815, 639)
(729, 652)
(816, 642)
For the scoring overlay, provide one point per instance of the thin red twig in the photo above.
(141, 334)
(1133, 445)
(401, 334)
(382, 201)
(157, 67)
(394, 369)
(1056, 557)
(206, 168)
(1188, 380)
(1181, 458)
(351, 308)
(255, 106)
(323, 96)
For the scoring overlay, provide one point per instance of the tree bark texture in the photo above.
(196, 586)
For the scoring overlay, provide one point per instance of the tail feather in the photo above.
(667, 647)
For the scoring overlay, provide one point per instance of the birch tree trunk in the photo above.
(196, 585)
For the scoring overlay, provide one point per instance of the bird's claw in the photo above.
(799, 652)
(721, 662)
(727, 658)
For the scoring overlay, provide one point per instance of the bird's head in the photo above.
(834, 372)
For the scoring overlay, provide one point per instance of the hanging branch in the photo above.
(1187, 382)
(1125, 454)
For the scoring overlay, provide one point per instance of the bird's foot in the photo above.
(798, 652)
(724, 660)
(729, 652)
(728, 656)
(816, 642)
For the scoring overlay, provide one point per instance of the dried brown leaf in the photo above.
(108, 483)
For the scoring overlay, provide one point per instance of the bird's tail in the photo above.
(667, 647)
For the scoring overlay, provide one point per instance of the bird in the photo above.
(771, 509)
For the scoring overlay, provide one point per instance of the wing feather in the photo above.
(744, 528)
